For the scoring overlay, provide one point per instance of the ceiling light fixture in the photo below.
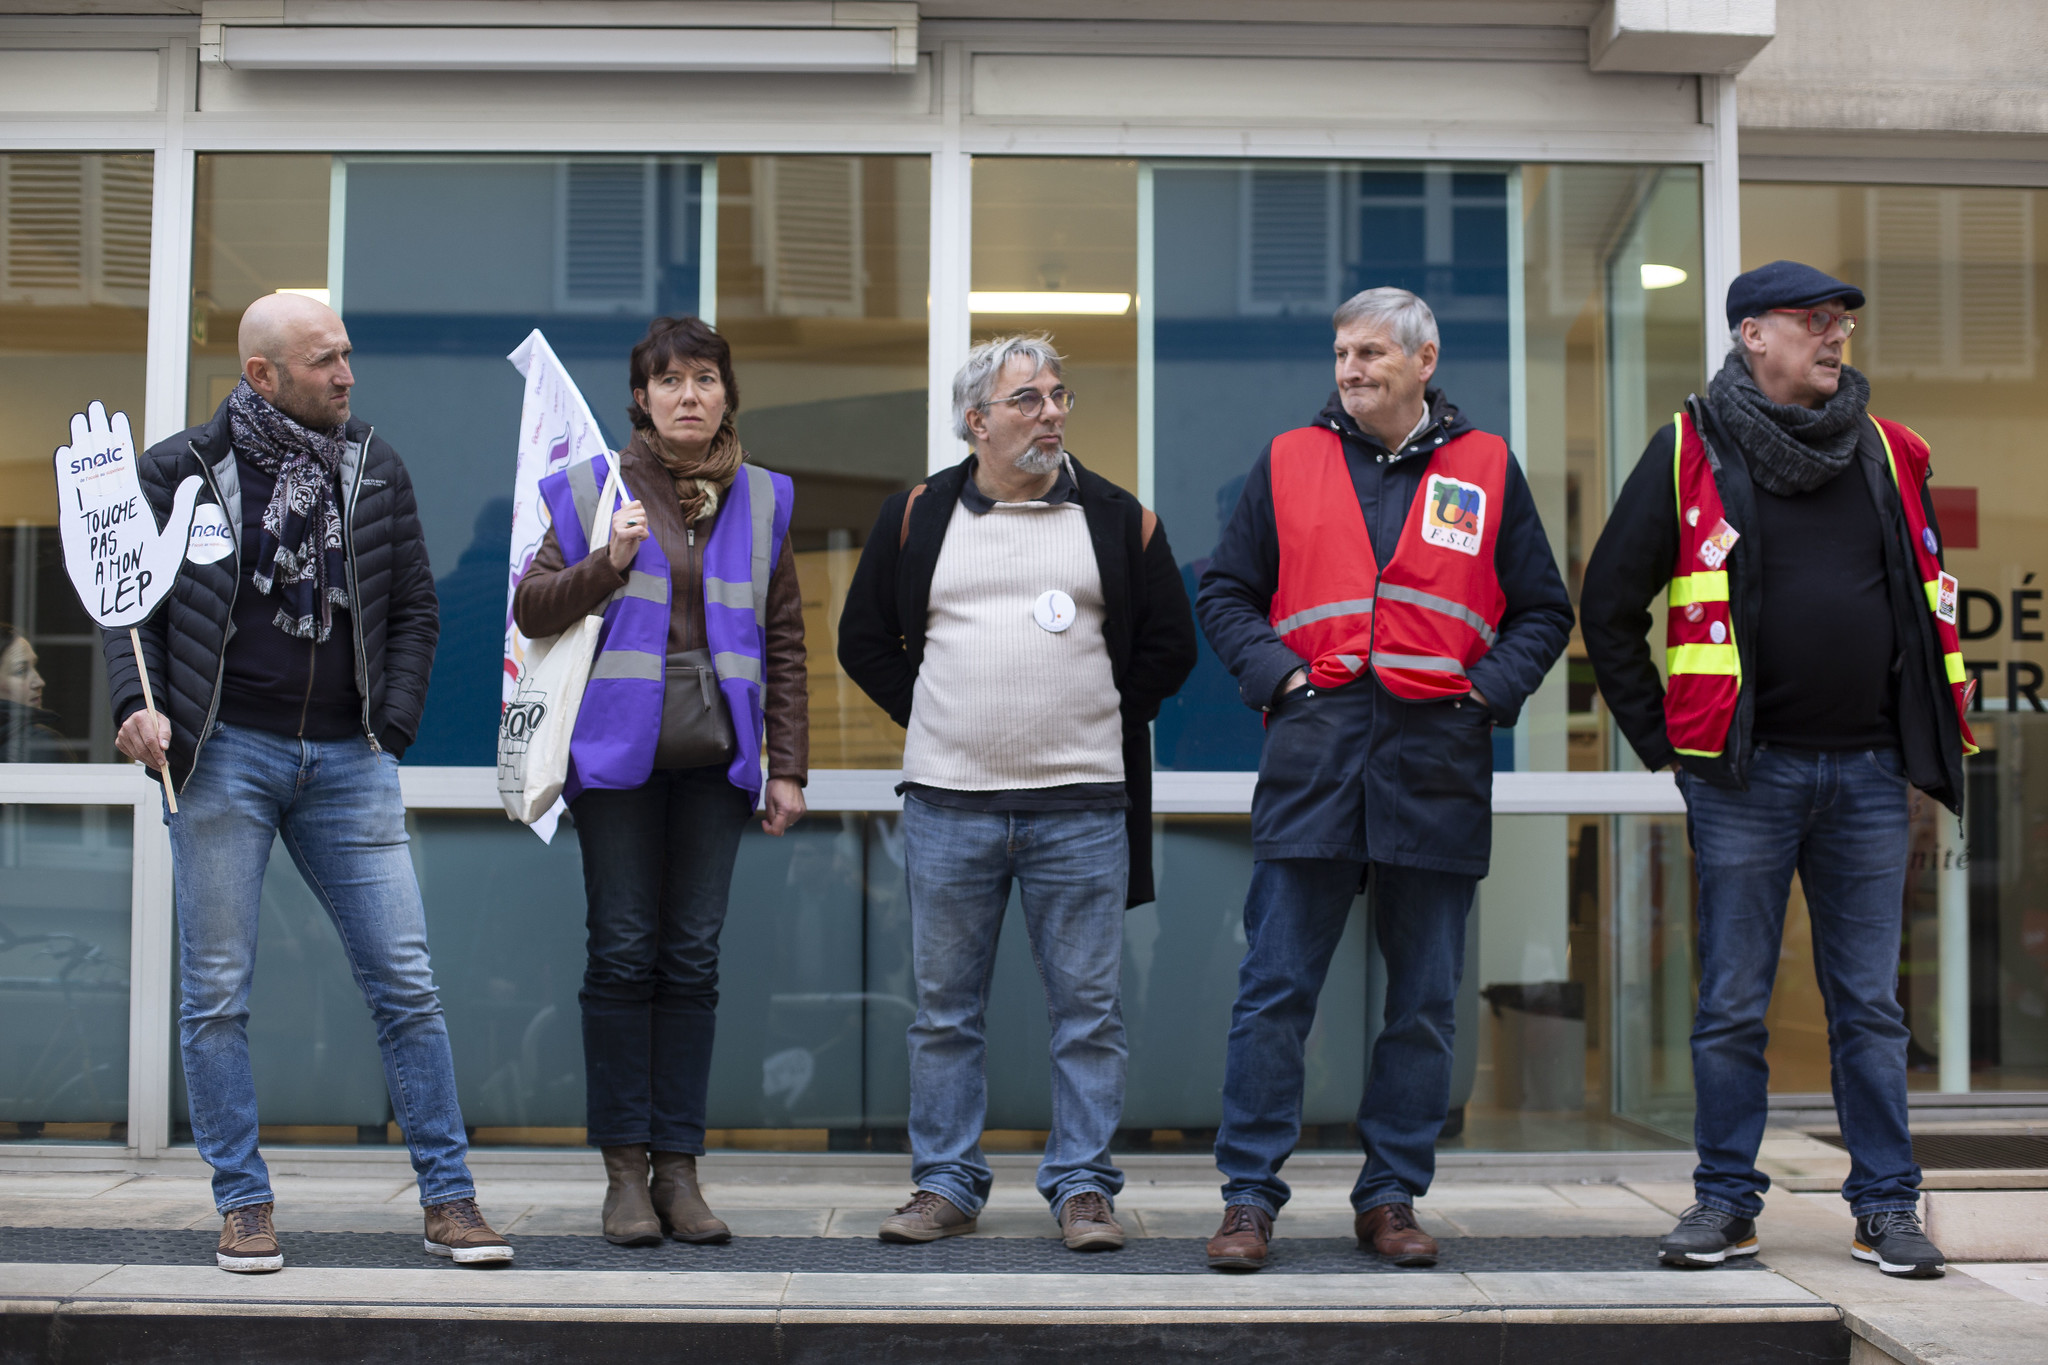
(1662, 276)
(1047, 301)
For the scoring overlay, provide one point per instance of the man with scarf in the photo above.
(290, 677)
(1814, 679)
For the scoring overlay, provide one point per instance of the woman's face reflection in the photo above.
(19, 681)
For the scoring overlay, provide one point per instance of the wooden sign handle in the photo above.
(149, 705)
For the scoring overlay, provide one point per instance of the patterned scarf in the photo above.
(700, 482)
(1790, 449)
(298, 554)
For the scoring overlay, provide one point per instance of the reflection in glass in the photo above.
(64, 915)
(74, 295)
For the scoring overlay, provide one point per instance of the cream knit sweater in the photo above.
(1002, 704)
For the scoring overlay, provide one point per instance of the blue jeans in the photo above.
(1840, 819)
(337, 806)
(1293, 917)
(657, 870)
(1071, 868)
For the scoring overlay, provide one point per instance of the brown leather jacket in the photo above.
(552, 597)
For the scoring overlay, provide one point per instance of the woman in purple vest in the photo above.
(698, 685)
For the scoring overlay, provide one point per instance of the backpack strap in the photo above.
(903, 535)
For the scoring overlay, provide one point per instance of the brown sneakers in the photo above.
(458, 1231)
(248, 1241)
(1240, 1244)
(629, 1219)
(926, 1218)
(679, 1203)
(1391, 1230)
(1086, 1223)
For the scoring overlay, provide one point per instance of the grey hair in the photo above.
(975, 385)
(1398, 311)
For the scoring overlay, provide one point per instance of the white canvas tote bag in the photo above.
(533, 734)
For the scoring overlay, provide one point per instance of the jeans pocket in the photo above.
(1889, 763)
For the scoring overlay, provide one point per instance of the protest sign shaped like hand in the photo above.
(122, 564)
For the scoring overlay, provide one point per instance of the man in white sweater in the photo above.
(1023, 618)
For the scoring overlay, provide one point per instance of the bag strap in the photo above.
(601, 516)
(903, 535)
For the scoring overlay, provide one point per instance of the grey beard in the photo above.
(1036, 461)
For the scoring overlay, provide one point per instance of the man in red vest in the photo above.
(1815, 677)
(1386, 594)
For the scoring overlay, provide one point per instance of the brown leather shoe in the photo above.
(248, 1241)
(1391, 1230)
(679, 1203)
(1240, 1244)
(629, 1219)
(926, 1218)
(1086, 1224)
(458, 1231)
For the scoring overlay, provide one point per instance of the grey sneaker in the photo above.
(926, 1218)
(1896, 1244)
(1706, 1237)
(1086, 1223)
(248, 1241)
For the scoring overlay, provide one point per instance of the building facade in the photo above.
(1179, 191)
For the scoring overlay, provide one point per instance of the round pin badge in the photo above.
(1927, 539)
(211, 538)
(1054, 611)
(1692, 516)
(1718, 633)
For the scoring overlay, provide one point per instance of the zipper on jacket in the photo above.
(355, 605)
(220, 666)
(306, 703)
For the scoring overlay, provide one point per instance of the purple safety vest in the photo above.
(613, 744)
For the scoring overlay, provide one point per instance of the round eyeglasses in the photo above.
(1818, 320)
(1031, 402)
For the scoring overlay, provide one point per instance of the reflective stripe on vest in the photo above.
(1900, 439)
(1700, 654)
(1436, 607)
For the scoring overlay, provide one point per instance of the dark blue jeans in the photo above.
(1293, 917)
(1840, 820)
(657, 868)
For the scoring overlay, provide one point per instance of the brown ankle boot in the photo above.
(680, 1205)
(629, 1219)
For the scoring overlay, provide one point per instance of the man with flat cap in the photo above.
(1814, 679)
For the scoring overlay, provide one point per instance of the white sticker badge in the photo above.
(1054, 611)
(1945, 598)
(212, 538)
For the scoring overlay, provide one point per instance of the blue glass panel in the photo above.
(447, 264)
(1242, 350)
(64, 916)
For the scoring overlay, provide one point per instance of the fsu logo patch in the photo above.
(1454, 514)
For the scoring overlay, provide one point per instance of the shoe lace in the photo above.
(1895, 1220)
(924, 1201)
(1239, 1218)
(463, 1213)
(247, 1221)
(1400, 1217)
(1700, 1216)
(1087, 1207)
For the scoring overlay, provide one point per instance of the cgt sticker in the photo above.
(1454, 514)
(212, 539)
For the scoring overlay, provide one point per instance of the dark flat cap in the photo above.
(1785, 284)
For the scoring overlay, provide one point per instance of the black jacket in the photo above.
(392, 607)
(1357, 772)
(1146, 628)
(1631, 565)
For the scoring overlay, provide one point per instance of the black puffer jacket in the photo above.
(392, 606)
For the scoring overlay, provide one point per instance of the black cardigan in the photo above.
(1147, 626)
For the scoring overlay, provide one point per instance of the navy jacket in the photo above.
(1356, 772)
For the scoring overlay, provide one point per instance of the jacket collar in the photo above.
(1442, 422)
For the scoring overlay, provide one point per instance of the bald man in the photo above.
(290, 664)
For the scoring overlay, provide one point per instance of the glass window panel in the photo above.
(64, 916)
(74, 295)
(1951, 342)
(823, 276)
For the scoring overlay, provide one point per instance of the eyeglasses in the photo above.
(1818, 320)
(1031, 402)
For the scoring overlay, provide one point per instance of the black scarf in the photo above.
(298, 553)
(1790, 449)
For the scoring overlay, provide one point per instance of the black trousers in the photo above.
(657, 869)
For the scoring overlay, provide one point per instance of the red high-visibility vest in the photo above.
(1699, 632)
(1432, 612)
